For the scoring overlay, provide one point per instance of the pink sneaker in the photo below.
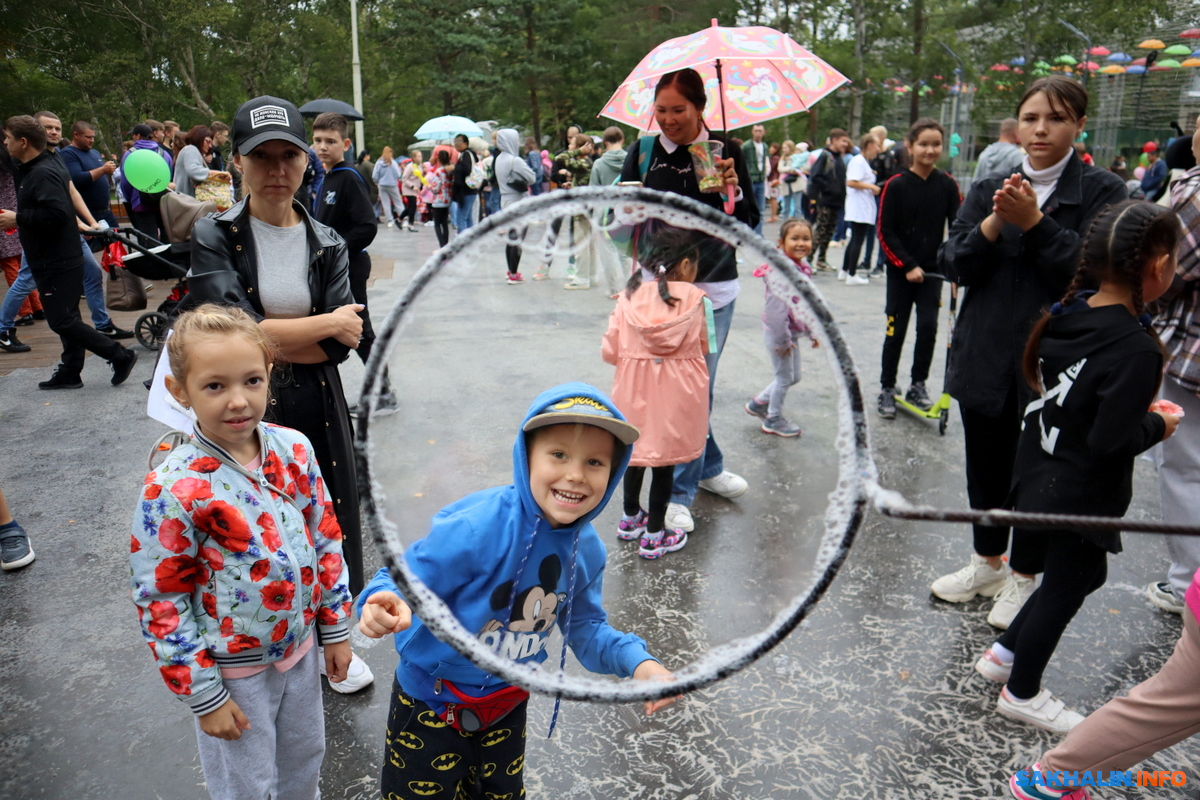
(656, 545)
(1027, 785)
(630, 528)
(514, 277)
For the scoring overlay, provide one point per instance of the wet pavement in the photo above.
(873, 696)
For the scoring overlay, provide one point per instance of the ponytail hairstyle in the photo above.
(661, 249)
(1120, 242)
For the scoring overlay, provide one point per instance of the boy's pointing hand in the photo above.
(384, 613)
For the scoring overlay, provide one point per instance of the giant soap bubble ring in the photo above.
(843, 515)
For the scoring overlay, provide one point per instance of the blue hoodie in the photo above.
(471, 558)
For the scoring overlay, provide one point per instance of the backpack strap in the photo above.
(350, 169)
(645, 150)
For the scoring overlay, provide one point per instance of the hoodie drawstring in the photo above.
(568, 611)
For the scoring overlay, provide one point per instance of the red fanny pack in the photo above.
(472, 714)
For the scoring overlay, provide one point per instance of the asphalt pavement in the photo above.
(873, 696)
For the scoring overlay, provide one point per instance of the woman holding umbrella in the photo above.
(664, 163)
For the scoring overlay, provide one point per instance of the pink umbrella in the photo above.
(764, 75)
(1099, 50)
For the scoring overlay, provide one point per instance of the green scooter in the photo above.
(940, 410)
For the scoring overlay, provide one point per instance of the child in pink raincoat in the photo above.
(657, 337)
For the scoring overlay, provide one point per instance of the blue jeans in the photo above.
(787, 205)
(839, 233)
(760, 200)
(463, 211)
(493, 202)
(93, 287)
(711, 462)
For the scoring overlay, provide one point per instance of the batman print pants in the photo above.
(426, 759)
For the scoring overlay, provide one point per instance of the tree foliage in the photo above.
(537, 64)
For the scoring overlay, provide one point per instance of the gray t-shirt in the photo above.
(282, 269)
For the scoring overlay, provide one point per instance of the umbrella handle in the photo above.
(729, 201)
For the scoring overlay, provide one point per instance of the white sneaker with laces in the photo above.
(991, 667)
(842, 275)
(1044, 711)
(1163, 596)
(857, 280)
(976, 578)
(726, 484)
(1009, 599)
(679, 516)
(358, 676)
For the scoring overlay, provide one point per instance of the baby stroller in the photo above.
(153, 260)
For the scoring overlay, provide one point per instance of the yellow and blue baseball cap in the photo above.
(581, 410)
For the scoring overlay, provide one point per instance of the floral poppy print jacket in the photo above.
(230, 567)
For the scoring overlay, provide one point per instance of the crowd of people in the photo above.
(1079, 310)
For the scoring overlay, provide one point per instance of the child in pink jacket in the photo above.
(657, 337)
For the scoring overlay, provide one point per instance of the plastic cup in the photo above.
(704, 160)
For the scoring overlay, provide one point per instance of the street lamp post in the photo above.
(356, 73)
(959, 75)
(1087, 46)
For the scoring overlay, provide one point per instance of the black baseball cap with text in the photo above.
(264, 119)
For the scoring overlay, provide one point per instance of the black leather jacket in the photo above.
(1011, 281)
(225, 268)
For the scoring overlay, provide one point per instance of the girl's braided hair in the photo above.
(1120, 242)
(661, 249)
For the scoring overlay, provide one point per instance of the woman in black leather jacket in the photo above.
(259, 255)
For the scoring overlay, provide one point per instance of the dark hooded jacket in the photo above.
(1100, 367)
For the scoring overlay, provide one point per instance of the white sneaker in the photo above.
(679, 516)
(1163, 596)
(991, 667)
(1011, 597)
(976, 578)
(1044, 711)
(726, 484)
(842, 275)
(358, 677)
(391, 224)
(857, 280)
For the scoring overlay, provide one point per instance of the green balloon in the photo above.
(146, 171)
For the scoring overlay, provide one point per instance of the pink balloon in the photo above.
(1139, 173)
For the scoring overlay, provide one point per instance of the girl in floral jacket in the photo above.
(236, 557)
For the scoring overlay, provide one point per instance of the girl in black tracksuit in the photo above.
(1095, 365)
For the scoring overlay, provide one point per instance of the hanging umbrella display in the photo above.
(1166, 63)
(1138, 62)
(447, 127)
(1113, 69)
(1178, 50)
(1190, 33)
(1136, 69)
(1091, 66)
(1099, 51)
(1019, 61)
(1119, 58)
(1000, 68)
(1070, 61)
(1190, 62)
(1152, 44)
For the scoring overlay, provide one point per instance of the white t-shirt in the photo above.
(860, 203)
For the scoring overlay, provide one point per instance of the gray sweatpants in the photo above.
(787, 372)
(1179, 485)
(280, 756)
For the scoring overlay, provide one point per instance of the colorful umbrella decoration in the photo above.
(1099, 51)
(1152, 44)
(1070, 61)
(1178, 50)
(1113, 69)
(1190, 62)
(1119, 58)
(1136, 69)
(1091, 66)
(1000, 68)
(766, 75)
(1190, 33)
(1138, 62)
(1166, 63)
(1019, 61)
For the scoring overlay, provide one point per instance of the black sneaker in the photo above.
(917, 395)
(25, 320)
(61, 379)
(887, 403)
(123, 365)
(15, 551)
(40, 314)
(9, 342)
(113, 332)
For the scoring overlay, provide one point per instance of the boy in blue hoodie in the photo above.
(511, 562)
